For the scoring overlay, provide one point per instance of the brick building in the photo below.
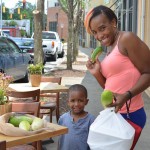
(57, 19)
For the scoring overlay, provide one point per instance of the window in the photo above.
(46, 35)
(127, 15)
(56, 4)
(5, 47)
(53, 26)
(14, 47)
(93, 43)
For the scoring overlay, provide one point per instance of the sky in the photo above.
(12, 3)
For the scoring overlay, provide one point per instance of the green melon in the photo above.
(15, 120)
(106, 98)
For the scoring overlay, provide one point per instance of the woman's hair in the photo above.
(97, 11)
(78, 87)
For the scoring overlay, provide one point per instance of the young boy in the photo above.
(77, 120)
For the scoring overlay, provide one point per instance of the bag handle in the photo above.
(127, 104)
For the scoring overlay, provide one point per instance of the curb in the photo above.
(147, 91)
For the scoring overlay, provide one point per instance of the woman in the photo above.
(126, 68)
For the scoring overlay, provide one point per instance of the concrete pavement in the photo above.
(94, 106)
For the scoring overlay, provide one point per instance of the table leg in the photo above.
(37, 145)
(2, 145)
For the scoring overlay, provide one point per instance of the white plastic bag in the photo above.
(110, 131)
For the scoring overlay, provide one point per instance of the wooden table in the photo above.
(15, 141)
(45, 87)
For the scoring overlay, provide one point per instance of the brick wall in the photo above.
(56, 14)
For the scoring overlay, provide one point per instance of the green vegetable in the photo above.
(9, 124)
(30, 120)
(96, 53)
(37, 123)
(25, 125)
(15, 120)
(106, 98)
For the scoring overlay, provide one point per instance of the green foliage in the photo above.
(23, 33)
(6, 23)
(6, 14)
(26, 13)
(13, 23)
(2, 94)
(4, 83)
(35, 69)
(3, 98)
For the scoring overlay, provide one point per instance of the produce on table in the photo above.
(26, 122)
(37, 123)
(15, 120)
(96, 53)
(106, 98)
(25, 125)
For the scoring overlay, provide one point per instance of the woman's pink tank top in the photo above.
(121, 75)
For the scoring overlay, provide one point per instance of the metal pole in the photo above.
(134, 16)
(1, 15)
(127, 16)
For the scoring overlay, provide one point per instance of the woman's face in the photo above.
(103, 29)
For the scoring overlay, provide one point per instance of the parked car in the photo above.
(13, 61)
(53, 45)
(27, 45)
(2, 33)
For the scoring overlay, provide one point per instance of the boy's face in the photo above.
(77, 101)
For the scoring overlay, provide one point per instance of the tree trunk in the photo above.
(74, 11)
(70, 45)
(38, 49)
(77, 22)
(75, 45)
(70, 34)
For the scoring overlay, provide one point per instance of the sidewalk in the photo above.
(94, 106)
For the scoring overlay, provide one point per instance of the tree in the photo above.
(5, 14)
(73, 9)
(77, 25)
(13, 23)
(38, 24)
(25, 12)
(23, 33)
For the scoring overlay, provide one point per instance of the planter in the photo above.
(35, 80)
(5, 108)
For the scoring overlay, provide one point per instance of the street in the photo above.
(50, 65)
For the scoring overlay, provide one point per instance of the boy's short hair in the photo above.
(78, 87)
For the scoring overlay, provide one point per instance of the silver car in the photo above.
(13, 61)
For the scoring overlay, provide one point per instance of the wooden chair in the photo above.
(26, 96)
(53, 102)
(30, 107)
(2, 145)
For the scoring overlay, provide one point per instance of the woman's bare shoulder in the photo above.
(129, 40)
(126, 36)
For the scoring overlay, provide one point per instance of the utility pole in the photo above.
(24, 4)
(1, 17)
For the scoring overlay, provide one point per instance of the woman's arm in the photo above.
(95, 70)
(139, 54)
